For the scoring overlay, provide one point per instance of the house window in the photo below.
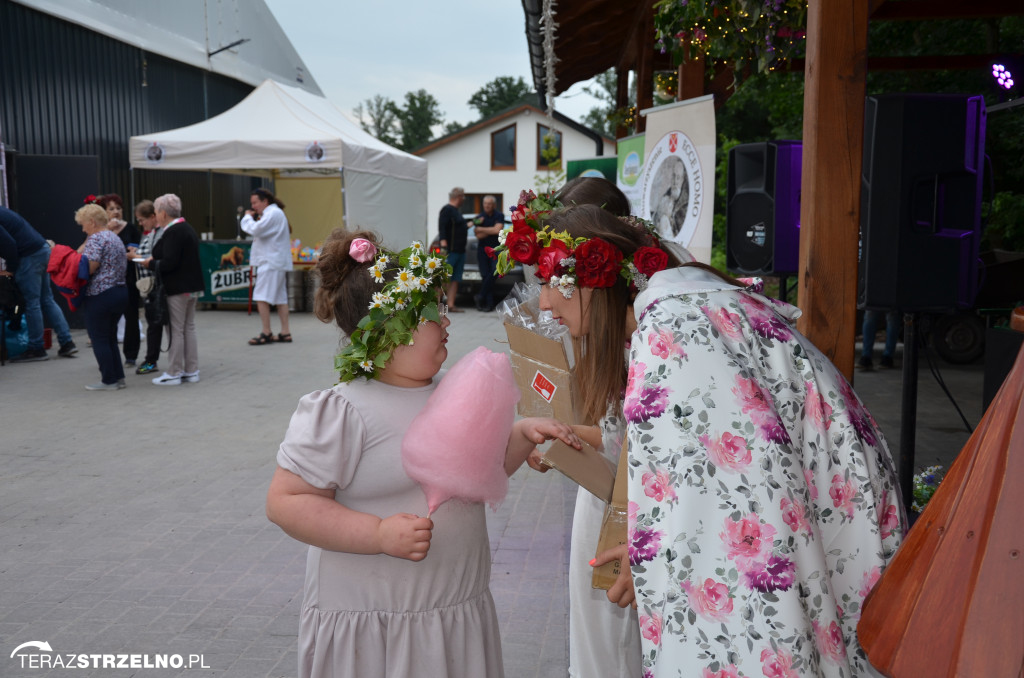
(475, 202)
(503, 148)
(549, 142)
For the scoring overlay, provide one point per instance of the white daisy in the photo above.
(366, 365)
(433, 264)
(377, 272)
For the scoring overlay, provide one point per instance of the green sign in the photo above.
(631, 159)
(592, 167)
(226, 271)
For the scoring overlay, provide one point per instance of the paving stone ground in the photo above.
(133, 521)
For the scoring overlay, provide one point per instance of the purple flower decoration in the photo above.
(764, 321)
(859, 417)
(649, 403)
(644, 545)
(777, 575)
(773, 430)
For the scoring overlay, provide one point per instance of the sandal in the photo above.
(284, 338)
(262, 339)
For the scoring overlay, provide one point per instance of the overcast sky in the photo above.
(355, 50)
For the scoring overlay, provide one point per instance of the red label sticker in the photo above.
(543, 386)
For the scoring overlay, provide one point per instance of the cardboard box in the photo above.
(544, 375)
(588, 467)
(614, 525)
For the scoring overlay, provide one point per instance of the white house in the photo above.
(501, 156)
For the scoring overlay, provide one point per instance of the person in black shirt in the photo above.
(488, 225)
(452, 227)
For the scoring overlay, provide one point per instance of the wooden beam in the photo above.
(922, 10)
(644, 35)
(935, 62)
(690, 78)
(837, 40)
(621, 97)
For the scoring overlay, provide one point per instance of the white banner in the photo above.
(678, 186)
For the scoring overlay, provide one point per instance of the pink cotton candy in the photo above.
(455, 447)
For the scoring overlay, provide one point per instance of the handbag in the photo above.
(155, 306)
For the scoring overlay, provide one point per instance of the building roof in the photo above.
(195, 32)
(515, 109)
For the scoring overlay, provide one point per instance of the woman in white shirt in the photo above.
(271, 255)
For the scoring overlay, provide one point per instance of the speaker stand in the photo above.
(908, 410)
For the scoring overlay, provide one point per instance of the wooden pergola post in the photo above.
(834, 89)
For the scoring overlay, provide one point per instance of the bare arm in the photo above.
(312, 516)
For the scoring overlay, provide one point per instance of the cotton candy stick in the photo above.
(455, 447)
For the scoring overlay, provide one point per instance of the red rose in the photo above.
(597, 263)
(489, 251)
(650, 260)
(519, 222)
(522, 246)
(549, 261)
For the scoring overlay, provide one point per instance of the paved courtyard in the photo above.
(132, 522)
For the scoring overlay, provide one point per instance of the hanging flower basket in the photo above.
(761, 34)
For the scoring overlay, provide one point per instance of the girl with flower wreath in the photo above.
(389, 591)
(763, 502)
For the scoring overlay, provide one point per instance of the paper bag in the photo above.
(614, 526)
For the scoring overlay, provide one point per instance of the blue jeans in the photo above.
(34, 283)
(102, 311)
(870, 328)
(487, 266)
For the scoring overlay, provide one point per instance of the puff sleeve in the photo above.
(324, 440)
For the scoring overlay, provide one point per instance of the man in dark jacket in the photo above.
(451, 229)
(176, 260)
(488, 224)
(27, 254)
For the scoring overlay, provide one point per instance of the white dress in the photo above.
(375, 615)
(604, 639)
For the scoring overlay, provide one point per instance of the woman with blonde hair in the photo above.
(105, 295)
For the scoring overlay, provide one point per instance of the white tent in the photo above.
(305, 144)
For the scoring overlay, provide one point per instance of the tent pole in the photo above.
(344, 203)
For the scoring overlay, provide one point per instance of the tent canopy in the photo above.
(288, 133)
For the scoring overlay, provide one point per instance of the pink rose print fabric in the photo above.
(764, 504)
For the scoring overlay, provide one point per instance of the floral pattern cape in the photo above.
(763, 502)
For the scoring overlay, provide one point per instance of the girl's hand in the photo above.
(534, 461)
(621, 593)
(405, 535)
(539, 430)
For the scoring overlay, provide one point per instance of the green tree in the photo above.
(498, 94)
(605, 118)
(379, 116)
(418, 116)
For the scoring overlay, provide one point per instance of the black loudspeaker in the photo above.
(763, 210)
(920, 201)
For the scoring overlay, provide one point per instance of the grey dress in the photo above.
(375, 615)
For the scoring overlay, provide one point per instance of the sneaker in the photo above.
(887, 361)
(121, 384)
(129, 363)
(100, 386)
(67, 350)
(191, 377)
(168, 380)
(145, 368)
(865, 363)
(31, 356)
